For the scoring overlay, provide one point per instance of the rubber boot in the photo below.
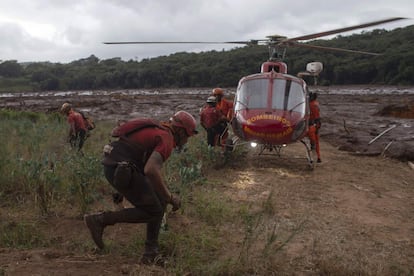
(96, 226)
(97, 222)
(151, 253)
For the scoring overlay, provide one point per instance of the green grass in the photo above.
(21, 235)
(37, 165)
(40, 172)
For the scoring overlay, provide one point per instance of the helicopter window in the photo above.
(252, 94)
(278, 95)
(288, 95)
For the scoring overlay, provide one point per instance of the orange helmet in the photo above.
(218, 91)
(185, 120)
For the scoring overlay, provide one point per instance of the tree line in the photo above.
(224, 68)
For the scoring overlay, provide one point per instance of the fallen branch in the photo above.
(386, 147)
(347, 131)
(382, 133)
(360, 188)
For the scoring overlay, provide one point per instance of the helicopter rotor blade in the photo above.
(250, 42)
(277, 40)
(324, 48)
(326, 33)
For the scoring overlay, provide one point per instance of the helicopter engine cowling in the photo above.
(314, 67)
(276, 66)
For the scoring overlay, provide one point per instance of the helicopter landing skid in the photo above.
(232, 143)
(310, 154)
(271, 148)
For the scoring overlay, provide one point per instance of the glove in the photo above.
(175, 201)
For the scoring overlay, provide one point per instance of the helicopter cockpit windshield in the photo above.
(252, 94)
(285, 95)
(288, 95)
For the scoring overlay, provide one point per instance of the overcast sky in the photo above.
(68, 30)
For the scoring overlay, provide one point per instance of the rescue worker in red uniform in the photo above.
(77, 127)
(314, 124)
(132, 165)
(226, 108)
(210, 119)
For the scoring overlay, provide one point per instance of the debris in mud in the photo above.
(352, 121)
(399, 111)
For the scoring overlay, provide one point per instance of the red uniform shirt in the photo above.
(76, 119)
(210, 116)
(154, 139)
(226, 107)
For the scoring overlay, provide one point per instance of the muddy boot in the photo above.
(96, 226)
(97, 222)
(151, 254)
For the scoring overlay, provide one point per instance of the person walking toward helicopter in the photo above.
(226, 108)
(133, 166)
(210, 120)
(314, 124)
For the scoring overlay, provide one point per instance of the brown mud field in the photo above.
(352, 215)
(352, 116)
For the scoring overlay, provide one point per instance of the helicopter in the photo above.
(271, 108)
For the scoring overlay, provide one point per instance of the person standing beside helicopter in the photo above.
(226, 109)
(210, 120)
(314, 124)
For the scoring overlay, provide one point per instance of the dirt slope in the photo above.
(356, 210)
(352, 210)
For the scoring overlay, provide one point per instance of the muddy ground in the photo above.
(351, 116)
(352, 215)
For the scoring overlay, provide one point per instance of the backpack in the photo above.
(134, 125)
(123, 150)
(89, 123)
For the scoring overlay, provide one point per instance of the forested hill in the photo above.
(224, 68)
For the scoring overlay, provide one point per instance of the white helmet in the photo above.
(211, 99)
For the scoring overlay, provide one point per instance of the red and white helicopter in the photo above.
(271, 108)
